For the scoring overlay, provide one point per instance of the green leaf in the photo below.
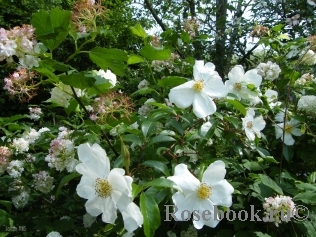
(260, 234)
(136, 189)
(157, 165)
(288, 152)
(152, 53)
(157, 193)
(312, 177)
(42, 23)
(139, 31)
(65, 180)
(262, 152)
(308, 197)
(147, 127)
(266, 180)
(7, 204)
(109, 58)
(54, 65)
(132, 138)
(151, 214)
(77, 80)
(177, 126)
(60, 18)
(237, 106)
(133, 59)
(208, 135)
(171, 81)
(162, 138)
(162, 182)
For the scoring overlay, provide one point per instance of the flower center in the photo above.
(237, 86)
(198, 85)
(288, 128)
(249, 124)
(204, 191)
(102, 187)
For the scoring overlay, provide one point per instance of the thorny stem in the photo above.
(87, 112)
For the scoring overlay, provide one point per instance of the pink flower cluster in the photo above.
(5, 154)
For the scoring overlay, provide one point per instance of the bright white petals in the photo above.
(132, 216)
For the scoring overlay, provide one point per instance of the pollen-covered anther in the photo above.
(237, 86)
(204, 191)
(103, 187)
(249, 124)
(198, 85)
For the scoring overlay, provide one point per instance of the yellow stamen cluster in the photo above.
(204, 191)
(198, 85)
(249, 124)
(237, 86)
(288, 128)
(103, 187)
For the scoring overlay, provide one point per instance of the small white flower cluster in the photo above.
(5, 154)
(160, 65)
(15, 168)
(62, 94)
(145, 109)
(19, 42)
(304, 79)
(269, 71)
(278, 209)
(143, 84)
(88, 220)
(309, 57)
(253, 125)
(62, 152)
(307, 104)
(108, 75)
(43, 182)
(294, 20)
(54, 234)
(35, 113)
(121, 128)
(21, 145)
(21, 200)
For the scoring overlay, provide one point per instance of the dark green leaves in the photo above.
(150, 211)
(112, 59)
(77, 80)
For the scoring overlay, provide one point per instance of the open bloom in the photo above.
(197, 197)
(290, 128)
(106, 190)
(201, 91)
(252, 125)
(238, 83)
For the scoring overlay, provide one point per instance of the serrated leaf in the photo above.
(133, 59)
(42, 23)
(109, 58)
(172, 81)
(266, 180)
(162, 182)
(238, 106)
(157, 165)
(65, 180)
(152, 53)
(151, 214)
(139, 31)
(77, 80)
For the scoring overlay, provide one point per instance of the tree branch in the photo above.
(154, 14)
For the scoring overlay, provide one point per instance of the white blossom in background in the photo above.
(308, 58)
(108, 75)
(106, 190)
(54, 234)
(204, 129)
(253, 125)
(307, 104)
(269, 71)
(20, 145)
(304, 79)
(62, 152)
(62, 94)
(143, 84)
(280, 208)
(43, 182)
(203, 195)
(21, 200)
(238, 82)
(311, 2)
(88, 220)
(294, 20)
(290, 128)
(272, 98)
(35, 113)
(44, 129)
(29, 61)
(5, 154)
(171, 234)
(200, 92)
(15, 168)
(145, 109)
